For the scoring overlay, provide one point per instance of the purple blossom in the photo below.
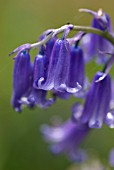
(77, 67)
(38, 96)
(65, 71)
(92, 42)
(22, 78)
(97, 102)
(58, 67)
(66, 138)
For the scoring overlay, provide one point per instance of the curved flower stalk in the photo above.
(97, 102)
(101, 21)
(66, 138)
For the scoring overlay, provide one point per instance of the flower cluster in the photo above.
(59, 69)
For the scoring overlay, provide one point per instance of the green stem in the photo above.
(54, 32)
(104, 34)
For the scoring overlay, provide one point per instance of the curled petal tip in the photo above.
(75, 89)
(101, 78)
(40, 81)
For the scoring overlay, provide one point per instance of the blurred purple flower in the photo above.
(66, 138)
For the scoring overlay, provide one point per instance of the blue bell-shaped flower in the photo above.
(93, 43)
(97, 102)
(22, 78)
(38, 96)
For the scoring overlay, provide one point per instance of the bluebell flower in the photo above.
(94, 43)
(38, 96)
(64, 64)
(97, 102)
(77, 67)
(58, 67)
(22, 78)
(66, 138)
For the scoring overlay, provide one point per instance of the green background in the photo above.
(21, 144)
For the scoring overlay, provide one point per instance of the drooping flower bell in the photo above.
(66, 138)
(58, 67)
(77, 67)
(64, 63)
(38, 96)
(22, 78)
(94, 43)
(97, 102)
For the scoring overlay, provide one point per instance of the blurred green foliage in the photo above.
(21, 145)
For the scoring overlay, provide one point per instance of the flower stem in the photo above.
(85, 29)
(104, 34)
